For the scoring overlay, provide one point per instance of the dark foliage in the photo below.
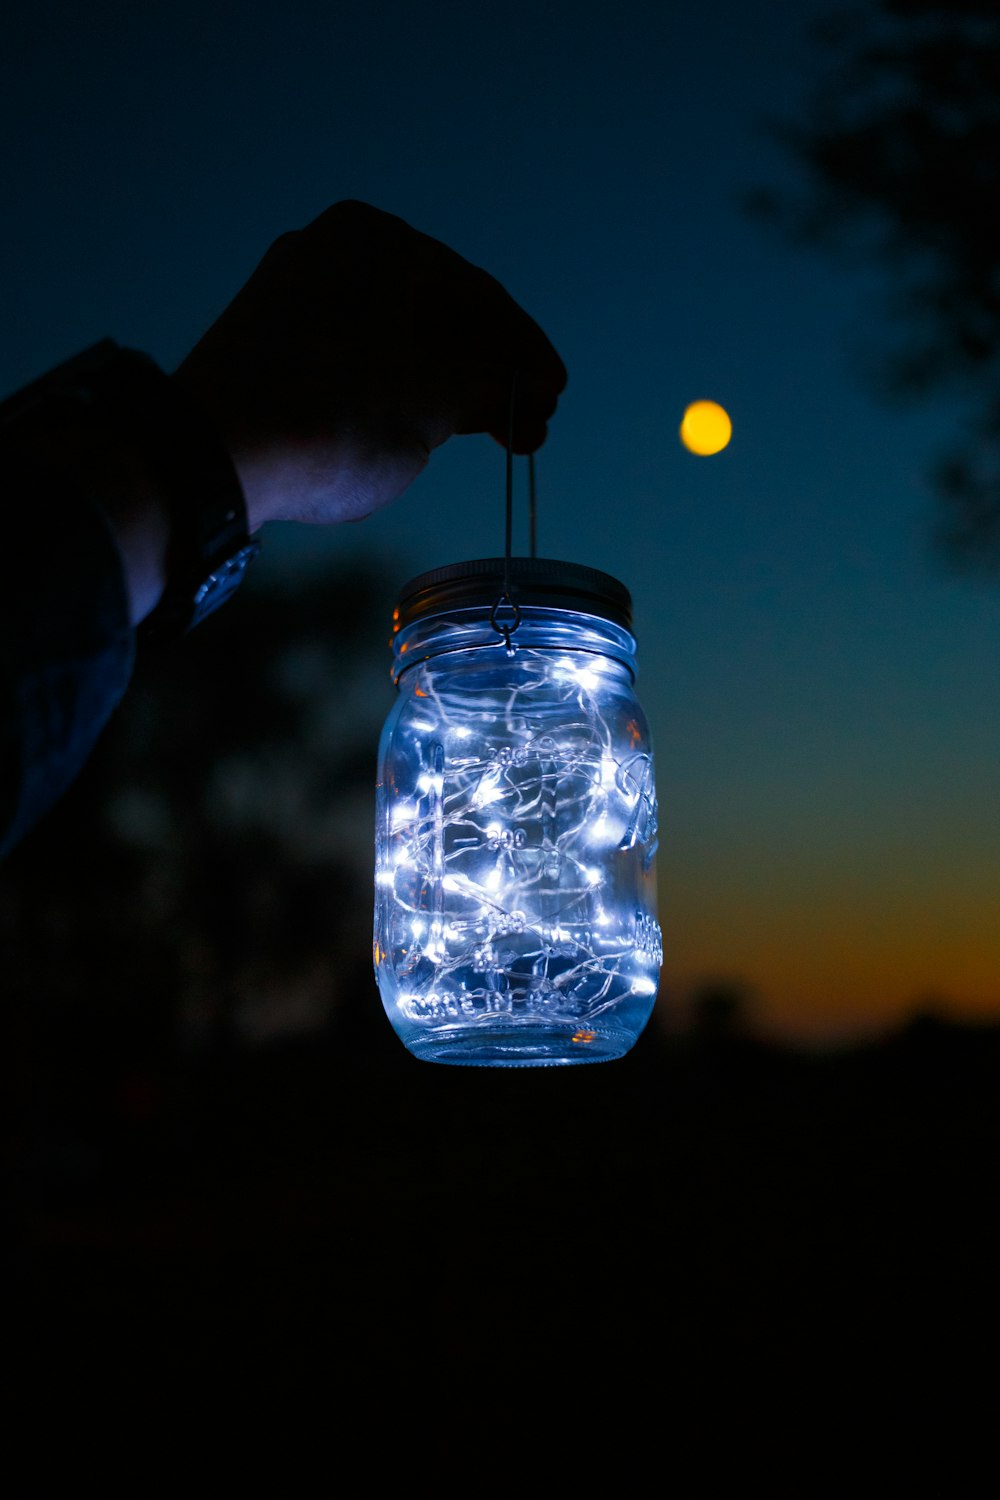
(901, 158)
(205, 885)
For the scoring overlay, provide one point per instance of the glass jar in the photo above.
(515, 896)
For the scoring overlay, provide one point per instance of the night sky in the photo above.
(822, 692)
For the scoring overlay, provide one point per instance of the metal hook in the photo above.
(504, 628)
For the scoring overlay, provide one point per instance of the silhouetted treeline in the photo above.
(320, 1208)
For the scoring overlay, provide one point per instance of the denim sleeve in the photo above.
(66, 645)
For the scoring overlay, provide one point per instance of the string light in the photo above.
(515, 867)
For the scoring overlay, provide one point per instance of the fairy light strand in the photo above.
(500, 873)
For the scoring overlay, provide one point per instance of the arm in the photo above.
(357, 347)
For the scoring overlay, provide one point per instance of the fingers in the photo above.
(491, 351)
(533, 404)
(527, 439)
(456, 318)
(509, 406)
(518, 401)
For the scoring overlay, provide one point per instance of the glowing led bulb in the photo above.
(509, 934)
(484, 795)
(402, 813)
(579, 673)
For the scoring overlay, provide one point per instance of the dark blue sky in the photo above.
(823, 696)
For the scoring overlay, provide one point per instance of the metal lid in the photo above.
(534, 581)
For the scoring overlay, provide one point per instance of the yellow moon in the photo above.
(706, 428)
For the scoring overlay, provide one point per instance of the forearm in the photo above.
(116, 497)
(77, 458)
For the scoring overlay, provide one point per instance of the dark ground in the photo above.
(713, 1208)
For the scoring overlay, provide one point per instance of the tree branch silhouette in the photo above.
(900, 151)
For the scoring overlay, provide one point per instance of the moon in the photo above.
(706, 428)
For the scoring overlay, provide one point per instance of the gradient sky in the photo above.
(823, 695)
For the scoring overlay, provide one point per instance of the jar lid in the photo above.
(534, 581)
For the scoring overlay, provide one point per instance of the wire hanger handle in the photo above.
(506, 601)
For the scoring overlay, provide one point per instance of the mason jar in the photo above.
(515, 896)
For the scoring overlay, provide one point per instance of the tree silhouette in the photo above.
(901, 155)
(205, 886)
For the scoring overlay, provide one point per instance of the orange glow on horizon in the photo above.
(827, 954)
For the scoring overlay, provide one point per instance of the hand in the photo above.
(356, 348)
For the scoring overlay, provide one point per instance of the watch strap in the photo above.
(210, 547)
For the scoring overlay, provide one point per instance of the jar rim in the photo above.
(541, 582)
